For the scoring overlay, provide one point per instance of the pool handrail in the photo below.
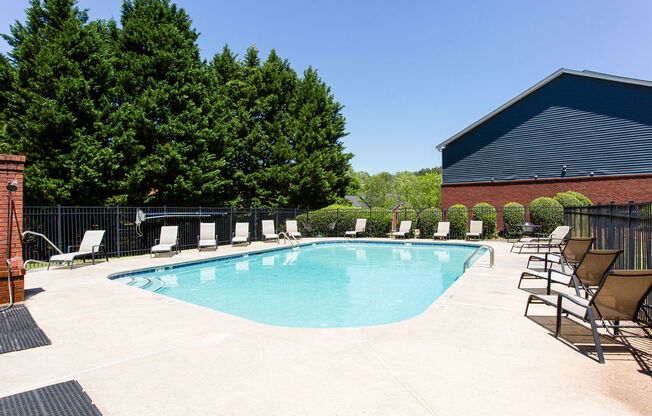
(484, 246)
(292, 239)
(46, 239)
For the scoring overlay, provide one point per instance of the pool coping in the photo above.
(226, 257)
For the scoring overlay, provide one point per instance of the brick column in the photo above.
(11, 225)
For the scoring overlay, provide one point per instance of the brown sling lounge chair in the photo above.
(619, 297)
(594, 265)
(571, 254)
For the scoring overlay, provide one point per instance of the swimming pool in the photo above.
(321, 285)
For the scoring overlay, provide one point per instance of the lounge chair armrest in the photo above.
(72, 246)
(570, 298)
(156, 240)
(561, 273)
(93, 248)
(541, 240)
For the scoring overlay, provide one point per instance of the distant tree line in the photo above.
(419, 189)
(133, 115)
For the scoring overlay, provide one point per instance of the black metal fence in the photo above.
(65, 226)
(626, 227)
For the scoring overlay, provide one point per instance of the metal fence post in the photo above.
(117, 228)
(255, 224)
(612, 232)
(59, 226)
(230, 225)
(482, 219)
(337, 223)
(630, 232)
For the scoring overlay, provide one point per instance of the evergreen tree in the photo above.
(58, 103)
(283, 133)
(109, 115)
(320, 171)
(166, 150)
(7, 79)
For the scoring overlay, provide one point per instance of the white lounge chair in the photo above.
(555, 239)
(360, 227)
(207, 236)
(403, 229)
(443, 229)
(268, 230)
(292, 229)
(90, 244)
(475, 230)
(241, 234)
(167, 241)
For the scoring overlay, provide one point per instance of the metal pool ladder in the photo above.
(292, 239)
(484, 246)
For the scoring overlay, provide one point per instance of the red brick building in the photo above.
(575, 130)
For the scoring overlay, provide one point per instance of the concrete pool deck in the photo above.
(472, 352)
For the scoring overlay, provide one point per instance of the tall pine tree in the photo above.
(132, 115)
(167, 151)
(320, 171)
(7, 79)
(57, 106)
(283, 133)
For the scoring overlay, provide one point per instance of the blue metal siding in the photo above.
(587, 124)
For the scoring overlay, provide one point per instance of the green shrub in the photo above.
(487, 214)
(513, 214)
(567, 200)
(428, 220)
(583, 200)
(379, 222)
(459, 219)
(547, 213)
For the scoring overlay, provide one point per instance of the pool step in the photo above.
(127, 280)
(156, 285)
(141, 282)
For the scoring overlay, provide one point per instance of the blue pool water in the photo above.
(315, 286)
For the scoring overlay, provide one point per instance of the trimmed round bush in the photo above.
(583, 200)
(379, 222)
(459, 219)
(513, 214)
(428, 220)
(567, 200)
(547, 213)
(487, 214)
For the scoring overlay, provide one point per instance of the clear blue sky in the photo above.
(412, 74)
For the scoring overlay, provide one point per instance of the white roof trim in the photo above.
(538, 85)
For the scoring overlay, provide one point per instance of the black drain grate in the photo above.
(18, 331)
(65, 399)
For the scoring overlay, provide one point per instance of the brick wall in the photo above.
(11, 167)
(604, 189)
